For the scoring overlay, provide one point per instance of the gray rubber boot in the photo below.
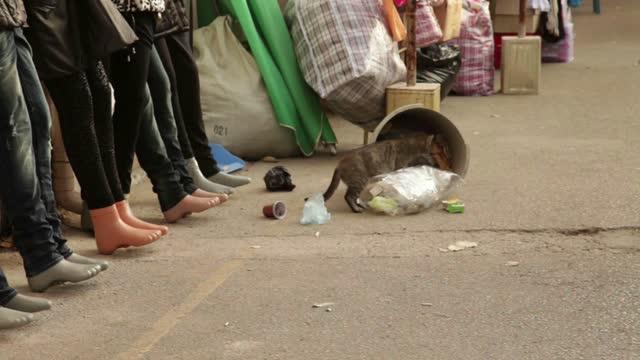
(28, 304)
(79, 259)
(233, 181)
(202, 183)
(11, 319)
(63, 272)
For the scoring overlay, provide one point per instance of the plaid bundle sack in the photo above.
(346, 55)
(428, 29)
(476, 76)
(563, 50)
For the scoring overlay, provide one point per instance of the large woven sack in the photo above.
(428, 29)
(236, 107)
(476, 75)
(346, 55)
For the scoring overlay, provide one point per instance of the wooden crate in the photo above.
(521, 65)
(399, 95)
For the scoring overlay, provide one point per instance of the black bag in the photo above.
(278, 179)
(439, 64)
(67, 34)
(107, 30)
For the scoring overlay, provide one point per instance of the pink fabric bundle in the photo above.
(428, 29)
(428, 2)
(563, 50)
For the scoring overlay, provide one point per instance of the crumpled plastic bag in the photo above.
(278, 179)
(408, 191)
(315, 212)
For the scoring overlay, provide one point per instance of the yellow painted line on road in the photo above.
(165, 324)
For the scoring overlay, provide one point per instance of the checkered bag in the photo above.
(428, 29)
(476, 76)
(346, 55)
(563, 50)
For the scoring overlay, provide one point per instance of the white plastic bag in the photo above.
(315, 212)
(236, 107)
(408, 191)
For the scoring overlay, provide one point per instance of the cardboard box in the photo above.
(505, 17)
(506, 7)
(510, 23)
(449, 17)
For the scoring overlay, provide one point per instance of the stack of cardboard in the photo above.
(505, 17)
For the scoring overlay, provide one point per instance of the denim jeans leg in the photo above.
(41, 129)
(19, 186)
(153, 159)
(6, 292)
(160, 88)
(188, 84)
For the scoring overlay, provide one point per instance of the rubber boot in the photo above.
(112, 233)
(127, 216)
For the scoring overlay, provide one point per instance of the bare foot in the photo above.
(205, 194)
(188, 205)
(127, 216)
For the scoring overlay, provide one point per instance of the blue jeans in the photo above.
(6, 292)
(160, 89)
(153, 158)
(40, 117)
(19, 185)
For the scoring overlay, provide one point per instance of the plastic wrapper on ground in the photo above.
(315, 212)
(409, 191)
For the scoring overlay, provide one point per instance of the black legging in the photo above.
(177, 57)
(83, 101)
(129, 69)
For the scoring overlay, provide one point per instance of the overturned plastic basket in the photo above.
(416, 118)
